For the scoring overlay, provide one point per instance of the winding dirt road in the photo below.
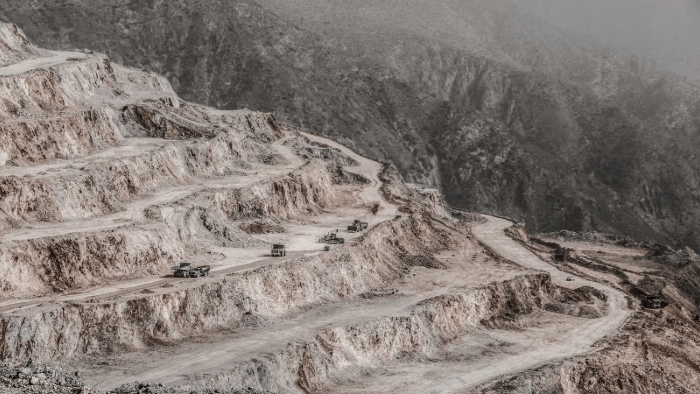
(27, 65)
(576, 342)
(488, 354)
(564, 336)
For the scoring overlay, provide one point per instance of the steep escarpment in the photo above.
(56, 264)
(73, 82)
(15, 46)
(515, 117)
(65, 137)
(100, 189)
(306, 191)
(396, 190)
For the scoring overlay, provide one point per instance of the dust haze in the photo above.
(155, 244)
(666, 31)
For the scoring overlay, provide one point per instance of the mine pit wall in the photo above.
(15, 47)
(161, 123)
(174, 119)
(44, 265)
(208, 216)
(102, 188)
(433, 201)
(343, 352)
(36, 92)
(305, 191)
(203, 227)
(268, 293)
(73, 261)
(82, 79)
(395, 190)
(51, 90)
(78, 134)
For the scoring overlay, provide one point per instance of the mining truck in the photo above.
(561, 254)
(278, 250)
(652, 302)
(331, 238)
(358, 226)
(189, 270)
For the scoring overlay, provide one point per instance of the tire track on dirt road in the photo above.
(577, 342)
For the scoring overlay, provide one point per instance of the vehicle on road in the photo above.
(278, 250)
(189, 270)
(358, 226)
(569, 279)
(652, 301)
(331, 238)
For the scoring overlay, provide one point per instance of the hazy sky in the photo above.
(665, 30)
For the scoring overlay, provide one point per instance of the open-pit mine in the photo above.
(109, 183)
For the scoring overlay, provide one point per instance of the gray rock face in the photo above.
(500, 111)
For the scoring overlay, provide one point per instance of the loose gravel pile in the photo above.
(35, 378)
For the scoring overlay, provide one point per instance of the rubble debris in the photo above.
(157, 388)
(35, 378)
(262, 227)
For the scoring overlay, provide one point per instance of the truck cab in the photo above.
(358, 226)
(278, 250)
(332, 238)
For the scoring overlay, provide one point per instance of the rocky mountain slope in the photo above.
(110, 181)
(501, 111)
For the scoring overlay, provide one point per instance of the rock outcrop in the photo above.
(15, 46)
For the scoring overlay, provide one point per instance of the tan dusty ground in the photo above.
(217, 353)
(443, 356)
(474, 359)
(636, 266)
(656, 351)
(487, 354)
(628, 258)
